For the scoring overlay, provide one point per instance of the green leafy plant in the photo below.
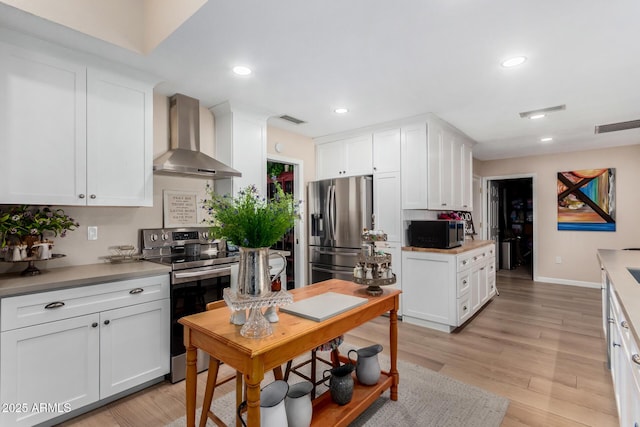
(20, 222)
(250, 220)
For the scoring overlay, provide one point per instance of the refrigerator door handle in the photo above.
(332, 212)
(327, 209)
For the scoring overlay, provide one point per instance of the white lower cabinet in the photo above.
(134, 346)
(52, 364)
(395, 250)
(625, 365)
(442, 291)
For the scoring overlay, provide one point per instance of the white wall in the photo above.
(576, 248)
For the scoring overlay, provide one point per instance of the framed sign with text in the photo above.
(180, 209)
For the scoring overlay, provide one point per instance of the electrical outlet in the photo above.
(92, 232)
(558, 260)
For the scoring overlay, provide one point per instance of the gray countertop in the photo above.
(615, 262)
(12, 284)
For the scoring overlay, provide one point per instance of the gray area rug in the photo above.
(425, 398)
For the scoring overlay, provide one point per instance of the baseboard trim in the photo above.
(567, 282)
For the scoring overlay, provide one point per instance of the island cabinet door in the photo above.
(48, 370)
(134, 346)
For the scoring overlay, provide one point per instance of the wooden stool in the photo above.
(335, 362)
(213, 382)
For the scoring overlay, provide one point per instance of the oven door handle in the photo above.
(183, 276)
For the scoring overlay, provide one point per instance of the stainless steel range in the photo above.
(200, 270)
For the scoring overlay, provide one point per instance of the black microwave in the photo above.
(441, 233)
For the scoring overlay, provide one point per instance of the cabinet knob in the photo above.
(636, 359)
(93, 196)
(624, 324)
(375, 168)
(106, 322)
(81, 196)
(464, 308)
(464, 282)
(94, 325)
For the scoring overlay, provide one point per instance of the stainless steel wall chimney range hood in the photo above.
(184, 157)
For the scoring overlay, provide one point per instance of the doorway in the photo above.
(288, 173)
(510, 210)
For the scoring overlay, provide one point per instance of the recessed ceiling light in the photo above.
(341, 110)
(241, 70)
(537, 116)
(546, 139)
(513, 62)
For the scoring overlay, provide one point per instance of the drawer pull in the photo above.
(636, 359)
(136, 291)
(56, 304)
(481, 268)
(624, 324)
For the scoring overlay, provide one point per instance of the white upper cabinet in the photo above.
(436, 167)
(42, 128)
(414, 166)
(346, 157)
(69, 136)
(386, 151)
(119, 141)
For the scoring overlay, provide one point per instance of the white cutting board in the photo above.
(324, 306)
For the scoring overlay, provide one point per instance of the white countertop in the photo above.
(68, 277)
(625, 286)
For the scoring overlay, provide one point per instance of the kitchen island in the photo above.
(444, 288)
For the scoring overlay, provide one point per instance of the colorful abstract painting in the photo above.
(586, 200)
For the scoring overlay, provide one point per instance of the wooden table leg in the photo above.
(252, 381)
(393, 342)
(191, 383)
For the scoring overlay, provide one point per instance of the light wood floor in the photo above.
(539, 345)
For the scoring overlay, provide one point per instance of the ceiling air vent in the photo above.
(292, 119)
(613, 127)
(543, 111)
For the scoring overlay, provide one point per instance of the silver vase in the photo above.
(253, 273)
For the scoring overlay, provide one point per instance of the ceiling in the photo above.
(384, 61)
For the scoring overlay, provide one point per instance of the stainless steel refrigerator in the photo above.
(339, 209)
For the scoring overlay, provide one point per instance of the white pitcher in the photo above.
(272, 406)
(298, 404)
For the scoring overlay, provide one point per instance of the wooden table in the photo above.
(292, 336)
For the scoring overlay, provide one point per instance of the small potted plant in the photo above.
(253, 223)
(28, 226)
